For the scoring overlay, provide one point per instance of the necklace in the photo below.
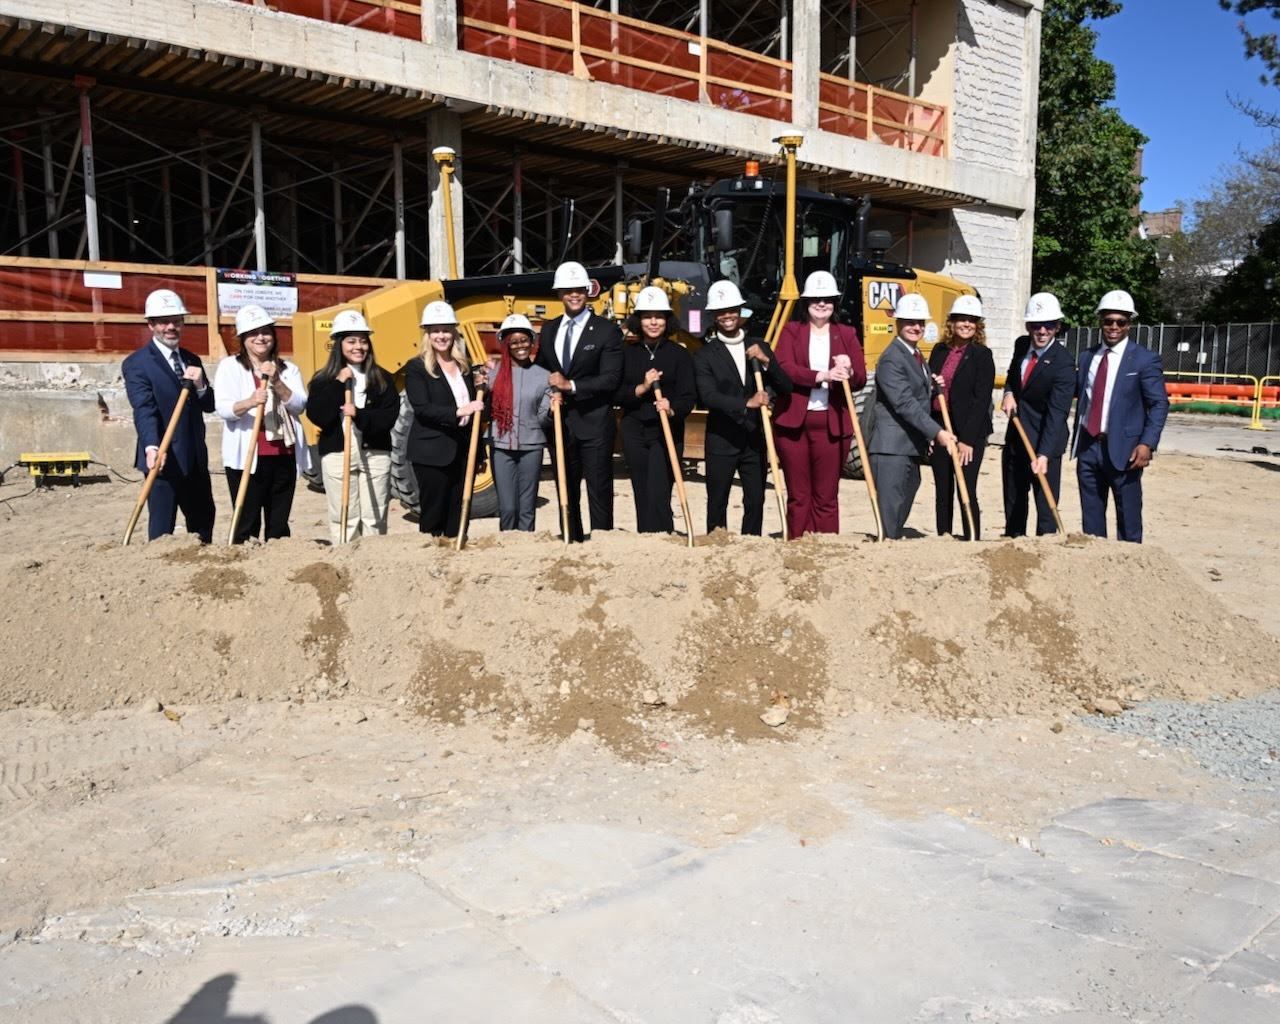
(651, 349)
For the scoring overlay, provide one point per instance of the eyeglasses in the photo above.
(1115, 321)
(1044, 325)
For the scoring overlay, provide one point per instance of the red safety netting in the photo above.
(679, 79)
(747, 73)
(372, 17)
(28, 292)
(851, 119)
(506, 24)
(553, 23)
(63, 290)
(895, 121)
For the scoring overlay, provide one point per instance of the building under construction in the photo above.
(145, 143)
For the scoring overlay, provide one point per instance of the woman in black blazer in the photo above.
(373, 409)
(443, 396)
(963, 367)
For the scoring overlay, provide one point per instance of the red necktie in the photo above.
(1094, 426)
(1031, 365)
(920, 361)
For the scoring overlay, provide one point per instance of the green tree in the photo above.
(1087, 189)
(1223, 231)
(1264, 46)
(1248, 294)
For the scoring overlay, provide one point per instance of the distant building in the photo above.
(1162, 223)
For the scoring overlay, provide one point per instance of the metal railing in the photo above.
(1234, 349)
(584, 41)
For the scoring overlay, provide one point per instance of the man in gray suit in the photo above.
(904, 426)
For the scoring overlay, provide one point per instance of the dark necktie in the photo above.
(920, 363)
(1094, 426)
(566, 353)
(177, 362)
(1031, 365)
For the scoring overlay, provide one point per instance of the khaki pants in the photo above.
(368, 498)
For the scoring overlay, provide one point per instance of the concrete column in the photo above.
(440, 25)
(806, 59)
(1030, 106)
(444, 128)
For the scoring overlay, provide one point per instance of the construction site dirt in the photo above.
(186, 729)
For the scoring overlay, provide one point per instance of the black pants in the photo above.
(589, 458)
(192, 493)
(268, 498)
(440, 495)
(749, 465)
(645, 448)
(1018, 480)
(947, 489)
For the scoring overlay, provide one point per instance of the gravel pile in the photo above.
(1235, 739)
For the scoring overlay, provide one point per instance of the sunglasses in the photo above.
(1115, 321)
(1044, 325)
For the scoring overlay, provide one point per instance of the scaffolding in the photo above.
(113, 148)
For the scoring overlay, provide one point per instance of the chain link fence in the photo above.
(1198, 348)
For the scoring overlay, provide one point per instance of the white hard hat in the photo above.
(250, 318)
(911, 306)
(820, 285)
(966, 305)
(437, 313)
(349, 321)
(652, 300)
(723, 295)
(515, 322)
(163, 302)
(571, 275)
(1043, 308)
(1117, 302)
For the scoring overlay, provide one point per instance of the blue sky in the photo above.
(1177, 63)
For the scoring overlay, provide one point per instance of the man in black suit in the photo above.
(724, 372)
(154, 377)
(1038, 389)
(582, 352)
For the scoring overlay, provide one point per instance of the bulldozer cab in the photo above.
(737, 228)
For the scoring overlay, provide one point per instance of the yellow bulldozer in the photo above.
(733, 229)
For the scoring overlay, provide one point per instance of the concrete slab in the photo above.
(884, 920)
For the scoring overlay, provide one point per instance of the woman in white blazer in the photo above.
(257, 376)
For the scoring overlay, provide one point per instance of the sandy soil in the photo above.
(168, 711)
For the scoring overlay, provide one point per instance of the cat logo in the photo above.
(883, 294)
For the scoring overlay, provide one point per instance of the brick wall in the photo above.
(990, 121)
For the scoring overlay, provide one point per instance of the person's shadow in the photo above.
(209, 1006)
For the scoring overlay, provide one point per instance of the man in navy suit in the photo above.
(1038, 389)
(1119, 417)
(583, 354)
(154, 377)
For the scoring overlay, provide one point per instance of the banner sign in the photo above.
(276, 293)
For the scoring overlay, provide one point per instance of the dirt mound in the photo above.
(639, 639)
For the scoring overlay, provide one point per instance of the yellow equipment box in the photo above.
(46, 464)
